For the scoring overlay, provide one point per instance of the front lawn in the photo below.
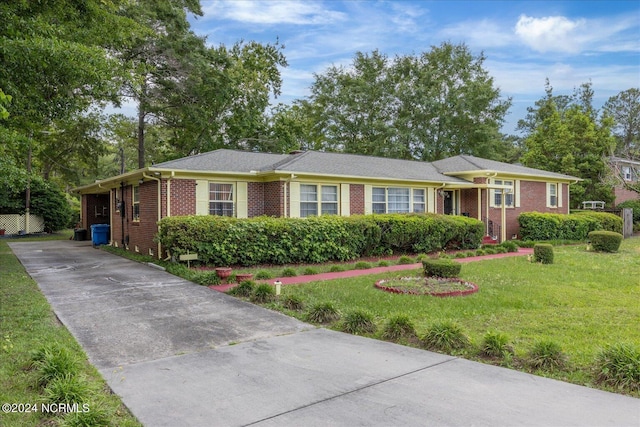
(583, 302)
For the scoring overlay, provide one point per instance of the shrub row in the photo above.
(266, 240)
(575, 226)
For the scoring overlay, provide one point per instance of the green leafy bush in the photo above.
(546, 355)
(266, 240)
(358, 322)
(575, 226)
(399, 327)
(263, 293)
(633, 204)
(324, 312)
(605, 241)
(445, 336)
(543, 253)
(619, 366)
(441, 268)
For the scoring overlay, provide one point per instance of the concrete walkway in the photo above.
(179, 354)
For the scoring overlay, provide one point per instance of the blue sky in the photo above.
(569, 42)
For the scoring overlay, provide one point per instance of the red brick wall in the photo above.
(93, 211)
(138, 233)
(622, 195)
(274, 198)
(356, 199)
(183, 197)
(255, 197)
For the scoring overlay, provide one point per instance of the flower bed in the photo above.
(435, 286)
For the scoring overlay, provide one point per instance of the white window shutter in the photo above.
(368, 199)
(202, 197)
(242, 208)
(345, 200)
(294, 200)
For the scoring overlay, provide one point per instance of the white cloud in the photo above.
(551, 33)
(478, 34)
(272, 12)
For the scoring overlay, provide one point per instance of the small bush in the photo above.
(263, 293)
(359, 322)
(543, 252)
(460, 255)
(263, 275)
(501, 250)
(207, 278)
(547, 355)
(480, 252)
(293, 302)
(509, 245)
(289, 272)
(619, 366)
(495, 344)
(421, 257)
(54, 361)
(470, 254)
(441, 268)
(605, 241)
(405, 260)
(310, 271)
(323, 313)
(490, 251)
(383, 263)
(399, 327)
(336, 268)
(362, 265)
(67, 388)
(244, 289)
(445, 336)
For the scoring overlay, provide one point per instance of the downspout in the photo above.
(159, 255)
(122, 212)
(173, 174)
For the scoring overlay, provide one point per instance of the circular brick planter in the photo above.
(471, 288)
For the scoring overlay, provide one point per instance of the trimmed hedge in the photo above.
(441, 268)
(575, 226)
(266, 240)
(543, 253)
(633, 204)
(605, 241)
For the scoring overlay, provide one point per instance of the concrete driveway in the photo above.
(180, 354)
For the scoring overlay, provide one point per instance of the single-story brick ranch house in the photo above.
(301, 184)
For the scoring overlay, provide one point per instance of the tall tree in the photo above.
(573, 141)
(437, 104)
(625, 110)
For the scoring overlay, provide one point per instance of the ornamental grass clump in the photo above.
(207, 278)
(244, 289)
(547, 355)
(324, 312)
(68, 389)
(362, 265)
(399, 327)
(496, 344)
(445, 337)
(543, 253)
(358, 322)
(289, 272)
(404, 259)
(54, 361)
(293, 302)
(441, 268)
(605, 241)
(619, 366)
(263, 275)
(263, 293)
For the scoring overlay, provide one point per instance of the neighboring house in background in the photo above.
(626, 172)
(301, 184)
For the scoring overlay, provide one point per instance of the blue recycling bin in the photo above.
(99, 234)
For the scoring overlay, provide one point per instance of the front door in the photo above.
(449, 202)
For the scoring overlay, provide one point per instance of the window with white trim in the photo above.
(221, 199)
(626, 173)
(135, 203)
(508, 196)
(397, 200)
(552, 195)
(318, 199)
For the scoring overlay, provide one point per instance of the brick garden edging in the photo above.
(391, 289)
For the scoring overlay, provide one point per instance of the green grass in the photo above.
(26, 324)
(584, 302)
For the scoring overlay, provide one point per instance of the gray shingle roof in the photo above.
(470, 164)
(351, 165)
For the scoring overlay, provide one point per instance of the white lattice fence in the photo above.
(14, 224)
